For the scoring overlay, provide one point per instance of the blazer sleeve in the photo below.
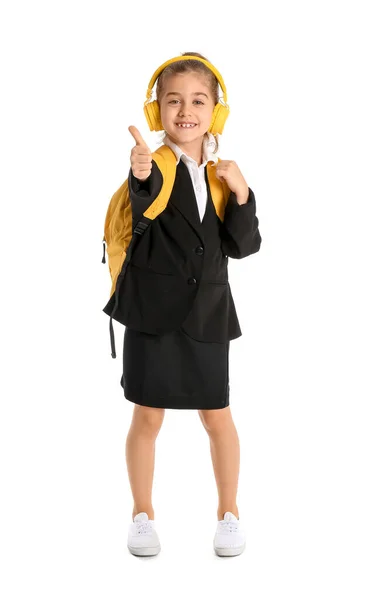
(240, 235)
(143, 193)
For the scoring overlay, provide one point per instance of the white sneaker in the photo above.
(142, 538)
(229, 538)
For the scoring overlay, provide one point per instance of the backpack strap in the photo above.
(220, 191)
(167, 164)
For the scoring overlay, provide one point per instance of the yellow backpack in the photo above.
(118, 221)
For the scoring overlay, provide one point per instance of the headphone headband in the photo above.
(185, 57)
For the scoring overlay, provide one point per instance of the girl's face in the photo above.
(186, 97)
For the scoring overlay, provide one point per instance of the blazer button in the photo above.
(191, 280)
(199, 250)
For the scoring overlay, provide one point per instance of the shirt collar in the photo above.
(208, 146)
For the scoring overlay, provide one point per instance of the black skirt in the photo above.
(173, 370)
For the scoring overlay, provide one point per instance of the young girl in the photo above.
(177, 354)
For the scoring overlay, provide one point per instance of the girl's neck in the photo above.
(192, 149)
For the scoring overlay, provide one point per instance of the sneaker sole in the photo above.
(150, 551)
(229, 551)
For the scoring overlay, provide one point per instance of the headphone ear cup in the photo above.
(152, 114)
(219, 117)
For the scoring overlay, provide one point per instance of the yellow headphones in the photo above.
(151, 109)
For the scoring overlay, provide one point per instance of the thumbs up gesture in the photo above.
(141, 157)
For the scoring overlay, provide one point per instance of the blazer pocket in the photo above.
(149, 269)
(160, 271)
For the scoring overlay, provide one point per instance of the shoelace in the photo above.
(143, 527)
(230, 526)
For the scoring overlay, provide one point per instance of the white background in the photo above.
(309, 90)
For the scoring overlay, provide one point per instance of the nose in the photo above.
(185, 109)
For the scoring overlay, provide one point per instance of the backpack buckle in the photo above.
(140, 228)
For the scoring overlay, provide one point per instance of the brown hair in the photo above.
(186, 66)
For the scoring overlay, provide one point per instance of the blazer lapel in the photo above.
(184, 199)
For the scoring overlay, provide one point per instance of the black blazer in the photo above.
(177, 276)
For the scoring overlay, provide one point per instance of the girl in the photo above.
(177, 353)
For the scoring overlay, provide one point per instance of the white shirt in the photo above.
(196, 172)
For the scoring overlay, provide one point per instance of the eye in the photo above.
(177, 101)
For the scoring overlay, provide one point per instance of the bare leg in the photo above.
(225, 454)
(140, 455)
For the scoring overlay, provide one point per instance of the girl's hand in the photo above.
(228, 171)
(141, 157)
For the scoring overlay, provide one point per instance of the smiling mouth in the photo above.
(186, 125)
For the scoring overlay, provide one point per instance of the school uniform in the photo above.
(176, 301)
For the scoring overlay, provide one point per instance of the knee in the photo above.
(148, 419)
(215, 421)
